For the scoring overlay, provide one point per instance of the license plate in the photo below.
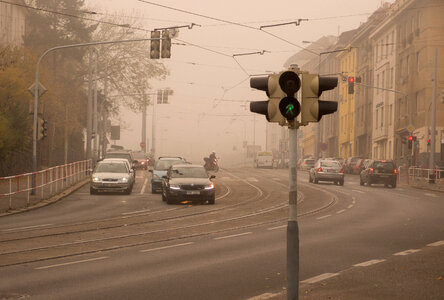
(193, 192)
(108, 184)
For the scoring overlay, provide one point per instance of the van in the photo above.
(264, 160)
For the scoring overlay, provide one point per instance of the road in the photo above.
(137, 247)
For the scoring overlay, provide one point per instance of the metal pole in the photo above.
(105, 111)
(144, 123)
(89, 109)
(95, 125)
(433, 135)
(153, 127)
(292, 228)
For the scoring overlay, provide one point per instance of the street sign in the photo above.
(324, 146)
(42, 89)
(410, 128)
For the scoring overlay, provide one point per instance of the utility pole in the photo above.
(144, 124)
(95, 112)
(89, 109)
(433, 137)
(153, 127)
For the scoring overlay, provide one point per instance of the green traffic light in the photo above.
(289, 108)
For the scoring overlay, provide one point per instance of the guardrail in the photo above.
(426, 175)
(17, 191)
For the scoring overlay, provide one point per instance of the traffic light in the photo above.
(155, 45)
(351, 85)
(312, 87)
(159, 96)
(41, 128)
(166, 44)
(411, 141)
(282, 106)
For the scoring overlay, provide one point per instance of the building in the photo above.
(12, 24)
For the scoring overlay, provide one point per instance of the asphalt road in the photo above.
(351, 238)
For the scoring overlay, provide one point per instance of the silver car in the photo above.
(111, 176)
(327, 170)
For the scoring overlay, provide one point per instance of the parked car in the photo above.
(264, 160)
(141, 160)
(359, 166)
(111, 176)
(379, 171)
(307, 164)
(187, 182)
(327, 170)
(160, 169)
(350, 163)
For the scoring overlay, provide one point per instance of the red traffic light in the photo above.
(410, 138)
(351, 79)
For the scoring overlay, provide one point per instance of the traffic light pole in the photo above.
(292, 227)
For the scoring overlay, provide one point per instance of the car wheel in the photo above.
(394, 184)
(92, 191)
(212, 200)
(153, 191)
(128, 191)
(163, 197)
(369, 183)
(315, 181)
(341, 182)
(309, 178)
(168, 200)
(360, 181)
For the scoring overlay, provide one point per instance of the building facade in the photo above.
(12, 24)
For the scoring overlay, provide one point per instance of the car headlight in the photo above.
(155, 176)
(209, 187)
(175, 187)
(124, 179)
(96, 179)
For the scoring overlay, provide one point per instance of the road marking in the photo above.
(144, 186)
(265, 296)
(340, 211)
(350, 206)
(72, 263)
(275, 178)
(277, 227)
(319, 278)
(338, 189)
(430, 195)
(226, 178)
(323, 217)
(436, 244)
(167, 247)
(353, 200)
(407, 252)
(252, 179)
(27, 227)
(369, 263)
(231, 236)
(358, 191)
(136, 212)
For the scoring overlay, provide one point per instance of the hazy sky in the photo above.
(196, 121)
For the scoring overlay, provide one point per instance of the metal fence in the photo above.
(18, 191)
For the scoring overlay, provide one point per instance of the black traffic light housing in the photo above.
(351, 85)
(166, 44)
(155, 45)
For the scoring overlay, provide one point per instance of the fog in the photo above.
(209, 110)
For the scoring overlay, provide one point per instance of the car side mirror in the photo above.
(212, 176)
(164, 177)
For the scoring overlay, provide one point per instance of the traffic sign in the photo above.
(324, 146)
(410, 128)
(42, 89)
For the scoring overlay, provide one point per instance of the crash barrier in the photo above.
(425, 175)
(19, 191)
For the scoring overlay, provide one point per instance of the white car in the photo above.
(130, 167)
(111, 176)
(264, 160)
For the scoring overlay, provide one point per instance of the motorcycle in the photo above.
(211, 164)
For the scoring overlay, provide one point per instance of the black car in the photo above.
(379, 171)
(186, 182)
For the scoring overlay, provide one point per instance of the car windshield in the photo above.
(163, 165)
(111, 168)
(384, 166)
(309, 161)
(118, 155)
(332, 164)
(193, 172)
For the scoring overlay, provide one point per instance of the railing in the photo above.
(17, 191)
(425, 175)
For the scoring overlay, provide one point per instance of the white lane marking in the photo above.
(277, 227)
(231, 236)
(323, 217)
(407, 252)
(167, 247)
(358, 191)
(340, 211)
(226, 178)
(252, 179)
(72, 263)
(338, 189)
(431, 195)
(144, 186)
(350, 206)
(436, 244)
(136, 212)
(27, 227)
(353, 200)
(369, 263)
(265, 296)
(319, 278)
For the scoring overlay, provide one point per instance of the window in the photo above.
(377, 83)
(417, 62)
(408, 64)
(391, 114)
(382, 116)
(383, 79)
(392, 76)
(393, 42)
(376, 123)
(387, 45)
